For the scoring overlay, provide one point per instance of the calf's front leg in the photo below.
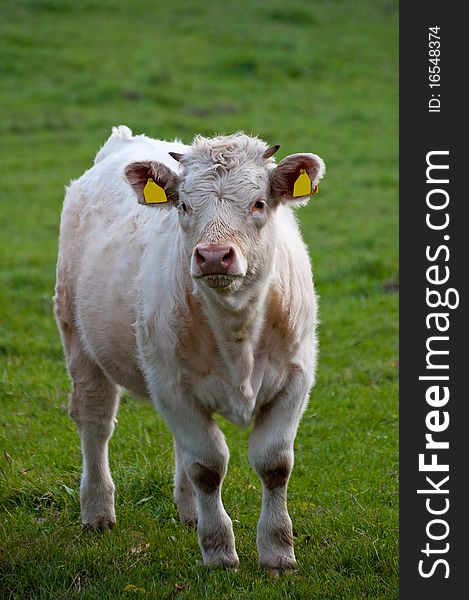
(201, 462)
(271, 455)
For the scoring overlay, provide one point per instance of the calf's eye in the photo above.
(259, 206)
(182, 207)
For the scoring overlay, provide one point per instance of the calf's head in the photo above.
(227, 193)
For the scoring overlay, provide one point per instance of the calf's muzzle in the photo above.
(215, 259)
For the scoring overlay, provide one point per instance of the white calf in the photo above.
(202, 300)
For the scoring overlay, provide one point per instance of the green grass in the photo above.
(313, 76)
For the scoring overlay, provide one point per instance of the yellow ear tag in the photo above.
(302, 185)
(153, 193)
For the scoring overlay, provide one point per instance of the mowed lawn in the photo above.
(313, 76)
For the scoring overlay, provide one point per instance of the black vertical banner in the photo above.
(434, 340)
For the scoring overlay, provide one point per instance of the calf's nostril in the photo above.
(199, 257)
(228, 257)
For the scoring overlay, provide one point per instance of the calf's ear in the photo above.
(154, 183)
(294, 180)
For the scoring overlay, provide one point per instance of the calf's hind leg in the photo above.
(184, 494)
(93, 406)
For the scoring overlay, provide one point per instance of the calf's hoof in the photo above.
(189, 518)
(229, 562)
(191, 523)
(217, 545)
(186, 507)
(280, 564)
(100, 524)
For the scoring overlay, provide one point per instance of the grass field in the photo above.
(313, 76)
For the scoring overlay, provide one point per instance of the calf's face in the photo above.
(226, 206)
(227, 220)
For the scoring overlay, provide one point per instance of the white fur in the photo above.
(131, 315)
